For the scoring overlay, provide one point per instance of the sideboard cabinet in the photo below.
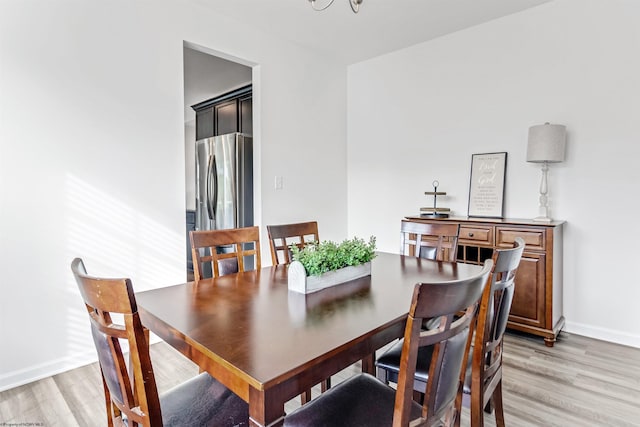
(537, 300)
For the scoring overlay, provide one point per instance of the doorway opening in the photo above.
(207, 75)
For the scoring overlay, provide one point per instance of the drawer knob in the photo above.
(470, 234)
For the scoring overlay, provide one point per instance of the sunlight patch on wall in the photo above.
(114, 239)
(156, 259)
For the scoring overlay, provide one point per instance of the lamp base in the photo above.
(542, 219)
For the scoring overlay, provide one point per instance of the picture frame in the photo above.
(486, 185)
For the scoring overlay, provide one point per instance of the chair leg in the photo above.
(107, 397)
(458, 407)
(477, 416)
(451, 416)
(488, 408)
(324, 386)
(305, 397)
(457, 420)
(497, 403)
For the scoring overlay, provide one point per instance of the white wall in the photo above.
(418, 114)
(92, 155)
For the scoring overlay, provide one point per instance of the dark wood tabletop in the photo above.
(268, 344)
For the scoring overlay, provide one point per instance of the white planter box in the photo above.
(300, 282)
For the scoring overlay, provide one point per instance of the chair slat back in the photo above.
(506, 262)
(450, 340)
(135, 395)
(225, 251)
(437, 241)
(281, 237)
(493, 315)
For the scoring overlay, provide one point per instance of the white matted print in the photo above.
(486, 188)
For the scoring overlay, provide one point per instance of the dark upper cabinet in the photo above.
(226, 117)
(227, 113)
(204, 123)
(246, 115)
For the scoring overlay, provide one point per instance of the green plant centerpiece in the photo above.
(324, 264)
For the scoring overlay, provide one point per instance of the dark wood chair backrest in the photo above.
(224, 250)
(455, 303)
(281, 237)
(135, 395)
(492, 323)
(437, 241)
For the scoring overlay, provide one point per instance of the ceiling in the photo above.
(380, 27)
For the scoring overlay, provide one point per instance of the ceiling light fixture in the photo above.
(355, 4)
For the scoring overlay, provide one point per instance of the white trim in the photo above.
(45, 370)
(604, 334)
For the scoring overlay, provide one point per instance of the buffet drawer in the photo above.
(533, 238)
(478, 235)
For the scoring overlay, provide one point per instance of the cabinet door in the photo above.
(204, 124)
(226, 117)
(246, 116)
(529, 296)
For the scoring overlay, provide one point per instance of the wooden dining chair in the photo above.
(131, 395)
(363, 400)
(483, 382)
(225, 251)
(428, 240)
(281, 237)
(483, 377)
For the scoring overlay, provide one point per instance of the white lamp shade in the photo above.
(546, 143)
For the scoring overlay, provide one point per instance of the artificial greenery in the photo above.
(318, 258)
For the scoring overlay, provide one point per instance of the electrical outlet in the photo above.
(278, 182)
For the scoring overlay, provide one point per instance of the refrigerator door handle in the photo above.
(212, 181)
(214, 172)
(234, 187)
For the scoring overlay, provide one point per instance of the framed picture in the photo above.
(486, 187)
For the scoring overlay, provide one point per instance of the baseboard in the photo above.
(44, 370)
(603, 334)
(54, 367)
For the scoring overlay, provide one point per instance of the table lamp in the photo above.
(546, 145)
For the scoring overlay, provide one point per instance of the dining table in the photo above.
(269, 344)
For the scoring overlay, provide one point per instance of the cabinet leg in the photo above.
(550, 341)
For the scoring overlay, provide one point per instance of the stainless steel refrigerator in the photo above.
(224, 182)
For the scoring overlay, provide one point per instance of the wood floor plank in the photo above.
(170, 367)
(39, 402)
(579, 382)
(84, 394)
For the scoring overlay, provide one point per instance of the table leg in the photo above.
(265, 409)
(369, 364)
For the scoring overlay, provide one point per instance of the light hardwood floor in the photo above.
(579, 382)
